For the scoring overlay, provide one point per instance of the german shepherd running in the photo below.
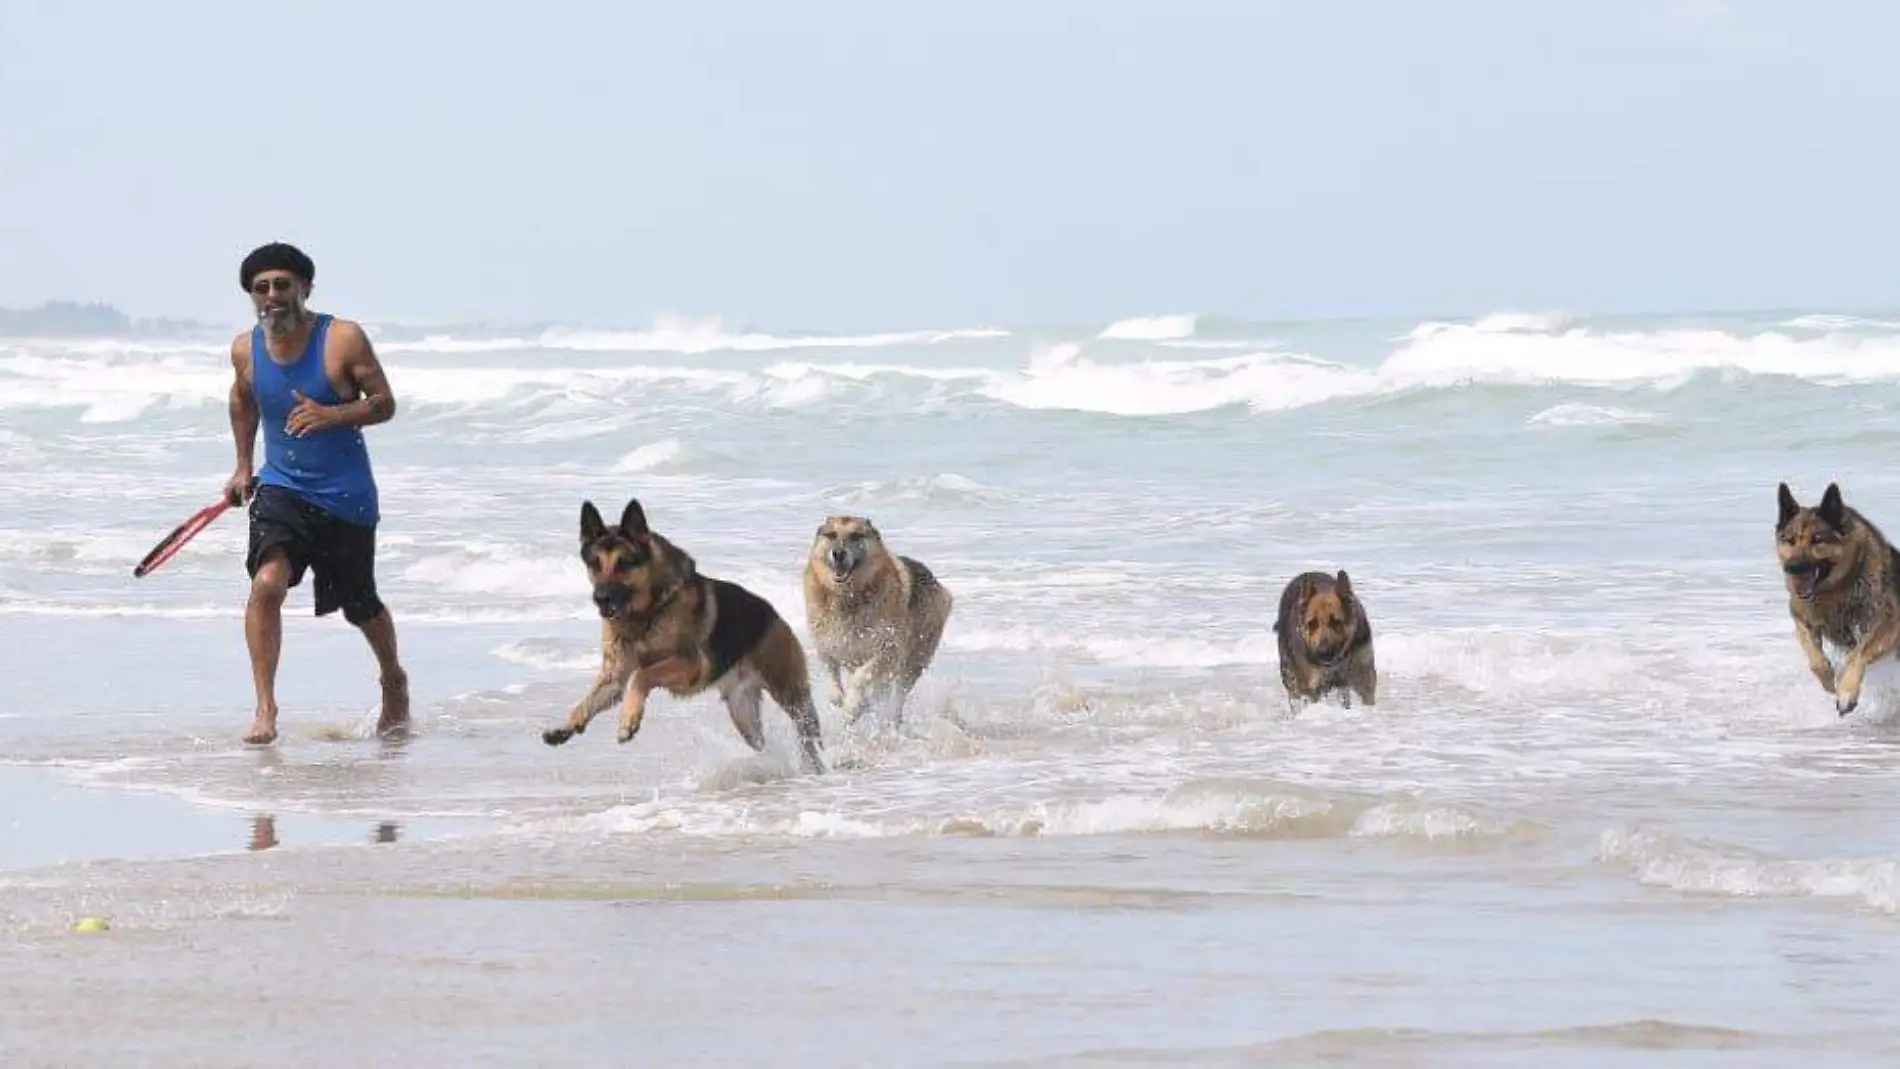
(664, 625)
(1325, 641)
(876, 617)
(1843, 580)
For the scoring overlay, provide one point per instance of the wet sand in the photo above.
(52, 822)
(1122, 950)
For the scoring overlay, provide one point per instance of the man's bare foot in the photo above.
(263, 729)
(394, 721)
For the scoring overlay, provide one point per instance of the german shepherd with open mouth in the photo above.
(876, 617)
(1325, 641)
(664, 625)
(1843, 580)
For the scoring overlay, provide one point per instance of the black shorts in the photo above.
(342, 554)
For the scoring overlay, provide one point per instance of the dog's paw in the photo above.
(557, 736)
(1845, 702)
(626, 733)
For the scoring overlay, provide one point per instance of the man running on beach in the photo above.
(311, 380)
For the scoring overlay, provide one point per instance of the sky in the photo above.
(852, 164)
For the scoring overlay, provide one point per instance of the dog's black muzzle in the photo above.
(1806, 576)
(611, 600)
(1328, 656)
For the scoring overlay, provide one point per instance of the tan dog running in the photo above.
(876, 617)
(1325, 641)
(1843, 580)
(664, 625)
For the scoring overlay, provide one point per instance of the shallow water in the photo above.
(1601, 813)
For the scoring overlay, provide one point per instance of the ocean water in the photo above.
(1600, 815)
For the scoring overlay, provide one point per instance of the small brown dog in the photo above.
(1325, 641)
(664, 625)
(1843, 580)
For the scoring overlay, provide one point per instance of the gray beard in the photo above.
(284, 323)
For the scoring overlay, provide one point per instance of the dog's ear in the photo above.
(1306, 590)
(1342, 585)
(633, 519)
(592, 526)
(1784, 499)
(1832, 510)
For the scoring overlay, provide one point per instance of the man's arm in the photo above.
(375, 401)
(242, 405)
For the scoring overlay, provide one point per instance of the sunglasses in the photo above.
(277, 284)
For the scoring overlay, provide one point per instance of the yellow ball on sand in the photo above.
(91, 924)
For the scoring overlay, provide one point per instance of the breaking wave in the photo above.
(1659, 857)
(1215, 807)
(581, 376)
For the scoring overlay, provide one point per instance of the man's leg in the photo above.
(275, 562)
(380, 630)
(264, 635)
(347, 578)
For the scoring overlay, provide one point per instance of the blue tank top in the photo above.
(328, 468)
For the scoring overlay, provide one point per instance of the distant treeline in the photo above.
(68, 318)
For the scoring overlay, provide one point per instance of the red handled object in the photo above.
(184, 532)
